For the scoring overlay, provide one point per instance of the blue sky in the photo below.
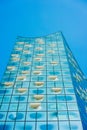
(41, 17)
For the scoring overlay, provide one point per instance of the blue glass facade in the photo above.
(43, 87)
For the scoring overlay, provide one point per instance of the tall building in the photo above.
(43, 87)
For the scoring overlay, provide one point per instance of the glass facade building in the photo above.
(43, 87)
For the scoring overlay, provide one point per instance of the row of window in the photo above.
(49, 125)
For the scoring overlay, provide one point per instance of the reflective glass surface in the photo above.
(37, 90)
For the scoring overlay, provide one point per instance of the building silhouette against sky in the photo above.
(43, 88)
